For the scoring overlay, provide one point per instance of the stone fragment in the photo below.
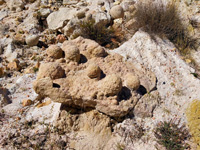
(52, 70)
(93, 71)
(60, 38)
(117, 12)
(14, 65)
(72, 53)
(132, 81)
(70, 2)
(19, 39)
(15, 4)
(32, 40)
(9, 52)
(80, 14)
(26, 102)
(44, 12)
(1, 72)
(146, 105)
(55, 52)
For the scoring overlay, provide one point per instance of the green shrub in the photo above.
(171, 136)
(163, 19)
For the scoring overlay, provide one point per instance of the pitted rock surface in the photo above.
(99, 82)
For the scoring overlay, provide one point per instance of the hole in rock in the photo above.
(42, 44)
(124, 94)
(103, 75)
(83, 59)
(142, 90)
(55, 85)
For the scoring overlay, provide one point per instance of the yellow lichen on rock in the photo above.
(193, 117)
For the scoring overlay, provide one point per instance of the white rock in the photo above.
(58, 19)
(15, 4)
(9, 52)
(32, 40)
(117, 12)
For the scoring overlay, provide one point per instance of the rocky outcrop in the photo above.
(90, 78)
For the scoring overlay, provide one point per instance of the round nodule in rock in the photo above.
(111, 85)
(117, 12)
(132, 81)
(72, 53)
(52, 70)
(32, 40)
(55, 52)
(93, 71)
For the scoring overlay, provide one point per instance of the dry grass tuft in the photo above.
(163, 19)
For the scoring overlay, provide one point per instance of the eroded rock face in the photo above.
(92, 125)
(89, 78)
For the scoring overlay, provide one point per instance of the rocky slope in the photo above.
(61, 90)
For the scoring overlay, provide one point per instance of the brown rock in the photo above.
(14, 65)
(52, 70)
(132, 81)
(147, 104)
(55, 52)
(117, 12)
(72, 53)
(1, 2)
(1, 71)
(110, 85)
(93, 71)
(26, 102)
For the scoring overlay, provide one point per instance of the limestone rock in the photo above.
(9, 52)
(110, 85)
(26, 102)
(94, 126)
(73, 84)
(117, 12)
(15, 4)
(80, 14)
(44, 12)
(32, 40)
(55, 52)
(14, 65)
(52, 70)
(72, 53)
(147, 104)
(70, 2)
(88, 47)
(132, 81)
(59, 19)
(93, 71)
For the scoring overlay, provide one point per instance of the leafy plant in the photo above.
(171, 136)
(163, 19)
